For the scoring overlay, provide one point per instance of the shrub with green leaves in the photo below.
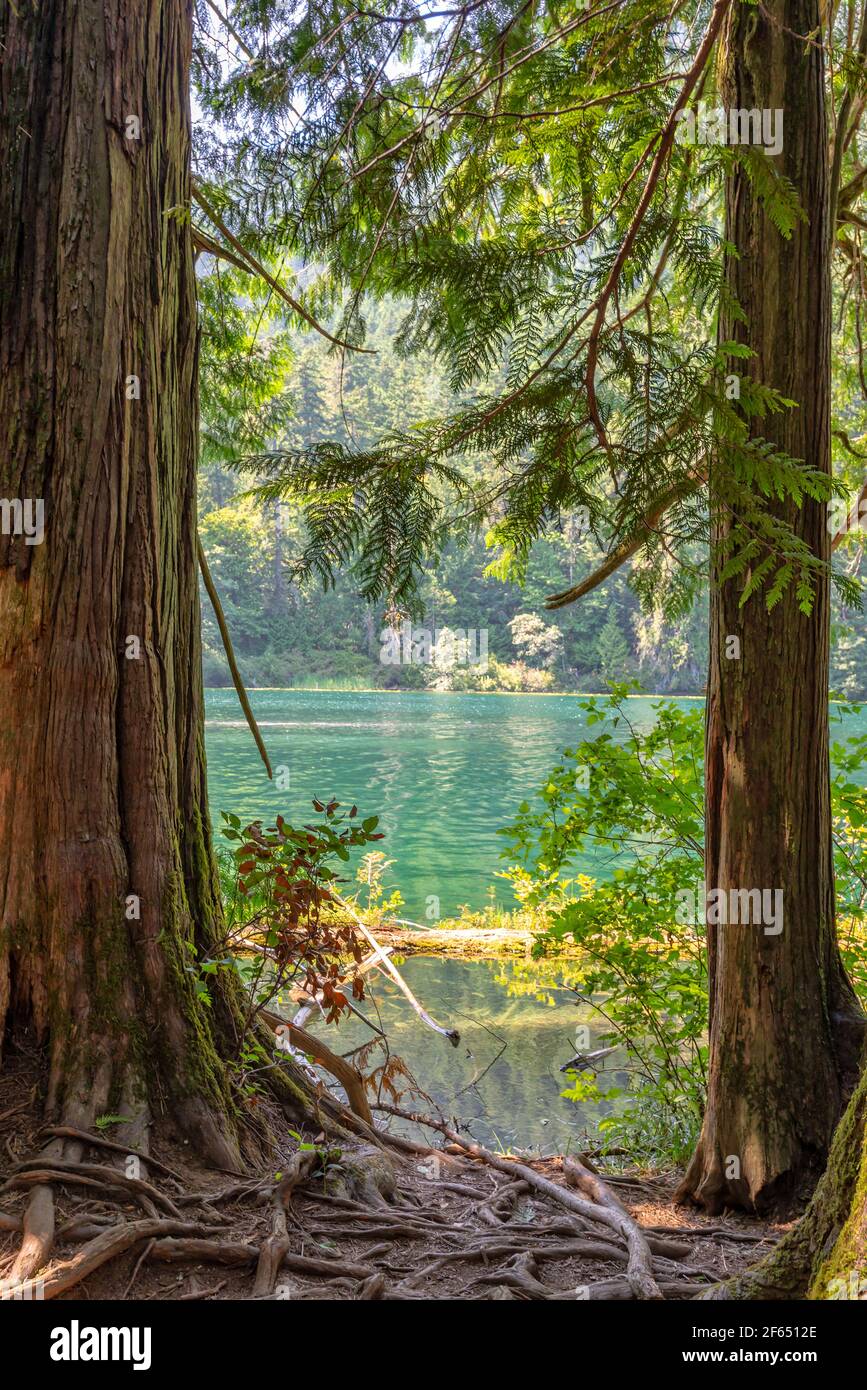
(849, 812)
(635, 795)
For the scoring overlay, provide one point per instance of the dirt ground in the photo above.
(425, 1225)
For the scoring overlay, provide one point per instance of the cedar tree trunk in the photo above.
(785, 1027)
(107, 885)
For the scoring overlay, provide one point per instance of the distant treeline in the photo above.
(286, 635)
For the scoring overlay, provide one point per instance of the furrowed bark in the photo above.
(107, 885)
(825, 1255)
(785, 1027)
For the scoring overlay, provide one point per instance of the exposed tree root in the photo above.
(94, 1175)
(99, 1142)
(640, 1267)
(174, 1250)
(277, 1245)
(37, 1225)
(59, 1278)
(362, 1224)
(201, 1294)
(38, 1228)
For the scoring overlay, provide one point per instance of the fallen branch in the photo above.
(350, 1079)
(312, 1001)
(385, 964)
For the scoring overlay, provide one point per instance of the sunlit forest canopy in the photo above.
(550, 271)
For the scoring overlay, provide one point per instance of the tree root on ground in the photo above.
(609, 1212)
(365, 1223)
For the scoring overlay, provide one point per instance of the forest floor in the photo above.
(436, 1223)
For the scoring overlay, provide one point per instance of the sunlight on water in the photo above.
(443, 773)
(517, 1026)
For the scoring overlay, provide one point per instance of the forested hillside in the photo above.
(291, 634)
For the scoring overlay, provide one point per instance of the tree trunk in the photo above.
(824, 1256)
(785, 1027)
(107, 886)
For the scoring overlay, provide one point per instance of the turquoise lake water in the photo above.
(443, 772)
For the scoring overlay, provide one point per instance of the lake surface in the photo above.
(443, 773)
(517, 1022)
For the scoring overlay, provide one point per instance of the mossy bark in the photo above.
(102, 767)
(825, 1255)
(785, 1027)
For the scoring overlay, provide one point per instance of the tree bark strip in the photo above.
(785, 1027)
(107, 885)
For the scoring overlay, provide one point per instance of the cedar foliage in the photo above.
(488, 165)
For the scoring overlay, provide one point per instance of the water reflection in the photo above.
(517, 1028)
